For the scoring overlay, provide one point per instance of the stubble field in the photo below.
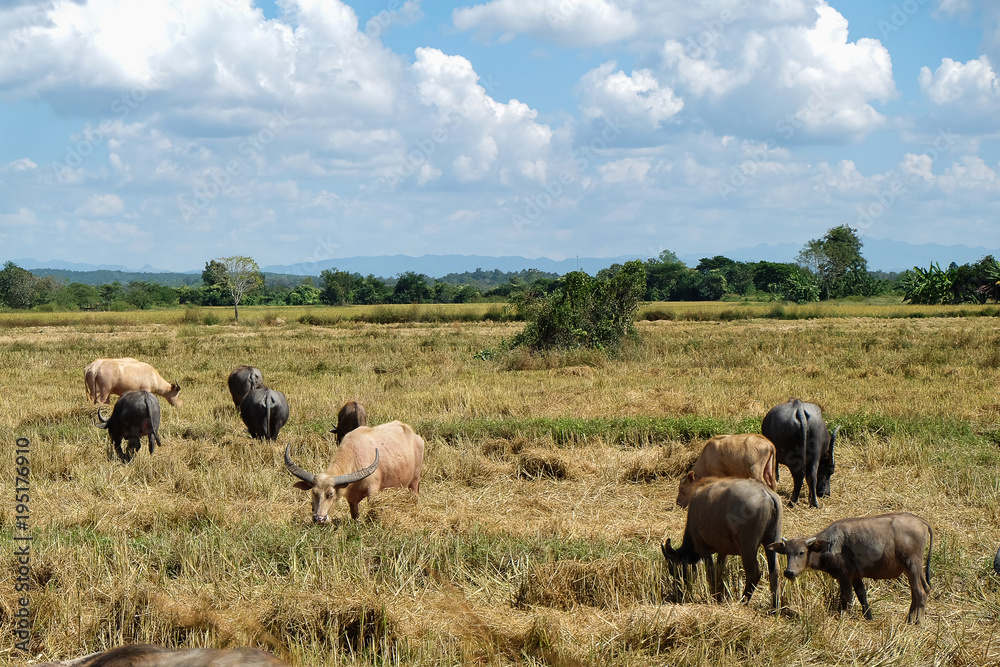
(548, 485)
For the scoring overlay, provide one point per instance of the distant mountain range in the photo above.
(882, 255)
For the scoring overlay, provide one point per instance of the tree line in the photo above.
(830, 267)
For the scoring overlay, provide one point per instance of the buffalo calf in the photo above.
(351, 416)
(728, 517)
(878, 547)
(136, 414)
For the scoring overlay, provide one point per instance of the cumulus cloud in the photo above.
(605, 92)
(970, 86)
(23, 217)
(794, 82)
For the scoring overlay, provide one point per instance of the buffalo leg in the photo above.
(918, 593)
(812, 477)
(846, 595)
(118, 450)
(859, 588)
(797, 479)
(772, 577)
(752, 571)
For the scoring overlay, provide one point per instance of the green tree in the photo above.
(836, 261)
(239, 274)
(411, 287)
(304, 295)
(18, 287)
(339, 287)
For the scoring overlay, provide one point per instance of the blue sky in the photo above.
(171, 132)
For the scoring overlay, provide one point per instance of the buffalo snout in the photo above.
(790, 575)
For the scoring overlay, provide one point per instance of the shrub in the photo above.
(582, 311)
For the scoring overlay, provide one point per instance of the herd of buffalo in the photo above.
(732, 507)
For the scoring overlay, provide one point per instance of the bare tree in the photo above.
(239, 274)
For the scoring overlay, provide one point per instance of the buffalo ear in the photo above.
(690, 476)
(304, 486)
(817, 544)
(101, 425)
(776, 547)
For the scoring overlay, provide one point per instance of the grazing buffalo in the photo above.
(803, 443)
(351, 416)
(730, 516)
(747, 455)
(116, 376)
(90, 376)
(264, 411)
(368, 460)
(136, 414)
(877, 547)
(147, 655)
(242, 381)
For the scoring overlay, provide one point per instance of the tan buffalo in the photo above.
(147, 655)
(747, 455)
(90, 376)
(116, 376)
(368, 460)
(351, 416)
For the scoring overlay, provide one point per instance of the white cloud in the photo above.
(21, 164)
(607, 93)
(101, 206)
(568, 22)
(970, 86)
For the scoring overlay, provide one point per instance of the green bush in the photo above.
(582, 311)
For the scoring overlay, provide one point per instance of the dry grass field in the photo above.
(548, 486)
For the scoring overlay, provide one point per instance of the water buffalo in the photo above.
(747, 455)
(242, 381)
(136, 414)
(368, 460)
(351, 416)
(90, 376)
(803, 443)
(264, 411)
(147, 655)
(730, 516)
(877, 547)
(117, 376)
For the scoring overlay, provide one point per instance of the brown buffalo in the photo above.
(877, 547)
(116, 376)
(147, 655)
(368, 460)
(351, 416)
(747, 455)
(90, 376)
(730, 516)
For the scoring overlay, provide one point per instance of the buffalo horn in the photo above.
(668, 551)
(100, 417)
(343, 480)
(297, 471)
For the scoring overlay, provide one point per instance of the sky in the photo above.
(170, 132)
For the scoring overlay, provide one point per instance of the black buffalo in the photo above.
(804, 444)
(242, 381)
(136, 414)
(264, 411)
